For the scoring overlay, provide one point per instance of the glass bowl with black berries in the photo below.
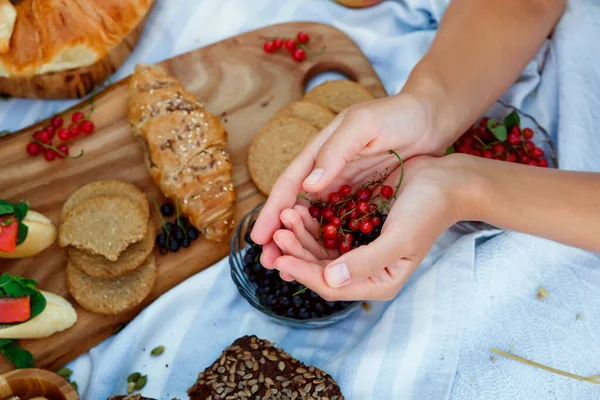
(505, 133)
(287, 303)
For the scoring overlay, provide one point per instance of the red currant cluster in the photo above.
(42, 139)
(349, 220)
(296, 47)
(515, 145)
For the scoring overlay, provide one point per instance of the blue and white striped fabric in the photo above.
(471, 293)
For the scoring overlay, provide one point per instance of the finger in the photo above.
(286, 277)
(310, 224)
(352, 134)
(289, 244)
(270, 253)
(292, 220)
(311, 276)
(287, 187)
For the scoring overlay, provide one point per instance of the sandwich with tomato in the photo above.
(23, 232)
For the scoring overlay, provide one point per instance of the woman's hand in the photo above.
(435, 194)
(350, 149)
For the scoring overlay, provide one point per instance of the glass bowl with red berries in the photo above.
(506, 134)
(287, 303)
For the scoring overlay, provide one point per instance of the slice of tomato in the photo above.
(14, 309)
(8, 233)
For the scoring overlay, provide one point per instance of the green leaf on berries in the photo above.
(511, 120)
(450, 150)
(499, 131)
(23, 231)
(21, 209)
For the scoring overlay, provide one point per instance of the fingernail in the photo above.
(314, 177)
(281, 247)
(337, 275)
(286, 224)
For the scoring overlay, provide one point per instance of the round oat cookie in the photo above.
(129, 260)
(315, 114)
(339, 94)
(111, 296)
(104, 225)
(107, 187)
(274, 147)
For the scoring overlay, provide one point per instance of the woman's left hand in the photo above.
(434, 195)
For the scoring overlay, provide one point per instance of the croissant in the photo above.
(185, 149)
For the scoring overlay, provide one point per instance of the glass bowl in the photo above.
(541, 139)
(248, 289)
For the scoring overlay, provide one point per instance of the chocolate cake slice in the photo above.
(252, 368)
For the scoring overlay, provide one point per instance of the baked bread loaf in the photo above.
(252, 368)
(55, 35)
(8, 15)
(337, 95)
(185, 150)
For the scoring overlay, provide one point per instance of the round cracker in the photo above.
(339, 94)
(104, 225)
(107, 187)
(131, 259)
(111, 296)
(274, 148)
(315, 114)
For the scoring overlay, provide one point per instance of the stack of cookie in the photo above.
(292, 127)
(109, 236)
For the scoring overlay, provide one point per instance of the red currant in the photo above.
(475, 153)
(290, 44)
(376, 221)
(327, 213)
(63, 134)
(366, 226)
(499, 148)
(269, 47)
(77, 116)
(363, 207)
(534, 163)
(346, 190)
(348, 237)
(387, 192)
(302, 37)
(299, 55)
(278, 43)
(351, 205)
(49, 155)
(74, 130)
(529, 145)
(345, 247)
(488, 154)
(525, 160)
(354, 224)
(516, 130)
(335, 221)
(44, 137)
(314, 211)
(527, 133)
(56, 121)
(537, 152)
(465, 149)
(483, 123)
(335, 197)
(86, 126)
(50, 131)
(62, 149)
(483, 134)
(544, 163)
(329, 231)
(37, 134)
(511, 157)
(329, 243)
(363, 195)
(354, 214)
(514, 138)
(468, 140)
(33, 149)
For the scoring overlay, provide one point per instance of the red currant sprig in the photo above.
(295, 46)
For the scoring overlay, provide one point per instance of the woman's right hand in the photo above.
(350, 150)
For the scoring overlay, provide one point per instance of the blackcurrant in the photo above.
(167, 209)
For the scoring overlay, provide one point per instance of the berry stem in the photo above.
(310, 52)
(50, 147)
(480, 141)
(162, 220)
(177, 218)
(300, 291)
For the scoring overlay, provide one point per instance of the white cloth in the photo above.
(471, 293)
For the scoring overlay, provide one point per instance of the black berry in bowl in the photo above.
(167, 209)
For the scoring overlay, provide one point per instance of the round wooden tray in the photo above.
(33, 382)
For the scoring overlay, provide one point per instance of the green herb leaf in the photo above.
(17, 356)
(21, 208)
(450, 150)
(499, 131)
(139, 385)
(65, 373)
(6, 207)
(75, 386)
(4, 133)
(23, 231)
(7, 221)
(134, 377)
(157, 351)
(130, 387)
(511, 120)
(15, 286)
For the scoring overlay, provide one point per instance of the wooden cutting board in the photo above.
(238, 82)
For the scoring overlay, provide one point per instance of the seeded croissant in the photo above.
(185, 149)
